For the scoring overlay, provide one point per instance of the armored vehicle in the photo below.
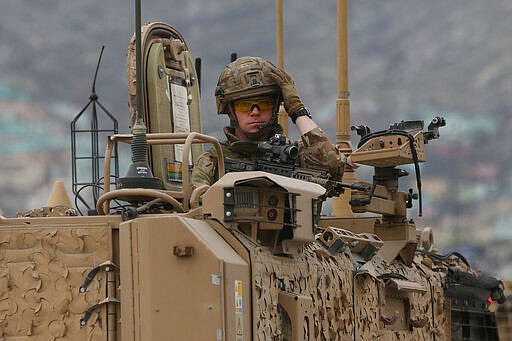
(249, 257)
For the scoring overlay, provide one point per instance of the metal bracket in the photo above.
(107, 266)
(88, 312)
(229, 204)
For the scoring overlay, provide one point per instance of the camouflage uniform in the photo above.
(315, 151)
(250, 77)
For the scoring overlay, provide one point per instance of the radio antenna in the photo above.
(139, 174)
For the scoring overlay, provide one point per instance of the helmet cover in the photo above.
(245, 77)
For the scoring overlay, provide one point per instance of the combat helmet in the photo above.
(243, 78)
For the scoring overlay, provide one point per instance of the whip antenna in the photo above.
(139, 174)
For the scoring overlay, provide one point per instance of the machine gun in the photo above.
(276, 156)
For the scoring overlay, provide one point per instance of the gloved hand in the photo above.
(291, 99)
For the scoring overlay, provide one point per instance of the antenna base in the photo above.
(139, 176)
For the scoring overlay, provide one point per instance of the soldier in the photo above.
(249, 91)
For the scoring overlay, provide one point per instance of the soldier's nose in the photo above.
(255, 109)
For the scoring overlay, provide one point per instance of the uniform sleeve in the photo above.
(316, 151)
(204, 170)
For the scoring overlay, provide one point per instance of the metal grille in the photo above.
(245, 199)
(475, 326)
(86, 159)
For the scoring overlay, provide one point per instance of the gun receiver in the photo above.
(317, 176)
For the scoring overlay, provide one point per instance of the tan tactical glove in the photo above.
(291, 99)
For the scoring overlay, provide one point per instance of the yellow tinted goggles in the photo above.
(247, 105)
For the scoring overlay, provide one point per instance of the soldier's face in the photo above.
(251, 117)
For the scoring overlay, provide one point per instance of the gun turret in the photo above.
(403, 143)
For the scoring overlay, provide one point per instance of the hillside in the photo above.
(408, 60)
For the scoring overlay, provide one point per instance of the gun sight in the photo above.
(276, 149)
(432, 132)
